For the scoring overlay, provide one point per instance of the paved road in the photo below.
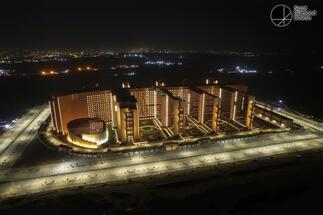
(11, 134)
(15, 140)
(107, 162)
(307, 123)
(50, 183)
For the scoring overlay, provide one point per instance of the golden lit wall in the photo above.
(71, 107)
(99, 105)
(81, 105)
(145, 102)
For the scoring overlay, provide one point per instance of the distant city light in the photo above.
(245, 70)
(51, 72)
(280, 101)
(162, 63)
(5, 72)
(7, 126)
(133, 55)
(125, 66)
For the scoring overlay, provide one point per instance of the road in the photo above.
(42, 178)
(121, 173)
(307, 123)
(15, 140)
(107, 162)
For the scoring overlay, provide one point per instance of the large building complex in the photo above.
(212, 108)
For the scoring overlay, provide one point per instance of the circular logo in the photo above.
(281, 15)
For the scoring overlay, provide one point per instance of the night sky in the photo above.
(203, 25)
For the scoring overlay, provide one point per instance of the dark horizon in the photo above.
(203, 25)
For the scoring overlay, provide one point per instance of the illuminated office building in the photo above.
(169, 108)
(125, 116)
(172, 111)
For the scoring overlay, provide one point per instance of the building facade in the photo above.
(169, 107)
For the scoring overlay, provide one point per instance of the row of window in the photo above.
(99, 105)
